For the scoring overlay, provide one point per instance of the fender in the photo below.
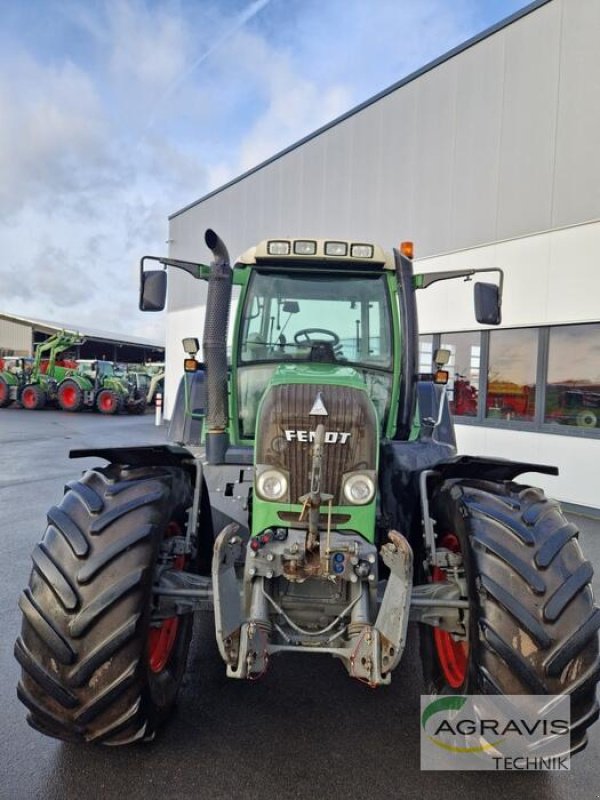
(488, 469)
(160, 455)
(404, 465)
(9, 378)
(84, 383)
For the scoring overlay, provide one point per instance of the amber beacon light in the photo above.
(407, 249)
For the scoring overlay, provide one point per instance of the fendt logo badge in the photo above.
(331, 437)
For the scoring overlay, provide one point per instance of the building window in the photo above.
(538, 379)
(573, 379)
(511, 383)
(464, 369)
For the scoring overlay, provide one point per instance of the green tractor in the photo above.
(102, 385)
(13, 376)
(36, 384)
(313, 499)
(148, 379)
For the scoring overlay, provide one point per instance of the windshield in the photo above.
(343, 320)
(284, 316)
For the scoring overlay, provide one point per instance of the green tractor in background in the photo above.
(13, 376)
(148, 379)
(103, 385)
(313, 499)
(35, 384)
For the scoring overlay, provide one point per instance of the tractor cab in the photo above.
(325, 311)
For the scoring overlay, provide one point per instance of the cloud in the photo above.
(52, 121)
(316, 60)
(116, 113)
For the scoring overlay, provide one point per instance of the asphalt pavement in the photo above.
(305, 730)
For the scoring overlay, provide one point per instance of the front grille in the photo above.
(287, 408)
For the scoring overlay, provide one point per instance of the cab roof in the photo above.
(320, 252)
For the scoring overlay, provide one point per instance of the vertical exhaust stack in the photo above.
(214, 348)
(409, 343)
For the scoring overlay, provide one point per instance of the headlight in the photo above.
(361, 251)
(272, 485)
(359, 489)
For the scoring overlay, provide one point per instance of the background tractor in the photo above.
(103, 385)
(314, 500)
(34, 384)
(14, 373)
(148, 379)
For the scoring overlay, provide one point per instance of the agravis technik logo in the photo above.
(497, 732)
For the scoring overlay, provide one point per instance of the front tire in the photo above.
(85, 641)
(70, 396)
(533, 625)
(108, 402)
(33, 397)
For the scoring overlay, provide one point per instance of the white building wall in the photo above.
(550, 278)
(15, 338)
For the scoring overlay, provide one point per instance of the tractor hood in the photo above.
(297, 400)
(332, 374)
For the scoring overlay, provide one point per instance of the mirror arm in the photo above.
(424, 279)
(199, 271)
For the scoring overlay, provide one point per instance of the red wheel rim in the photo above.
(3, 391)
(453, 656)
(29, 398)
(107, 402)
(69, 396)
(161, 639)
(161, 642)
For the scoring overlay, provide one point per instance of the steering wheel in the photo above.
(304, 337)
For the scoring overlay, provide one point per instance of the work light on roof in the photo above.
(278, 248)
(336, 249)
(304, 247)
(361, 251)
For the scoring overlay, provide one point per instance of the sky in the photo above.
(116, 113)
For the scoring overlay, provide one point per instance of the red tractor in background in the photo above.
(505, 400)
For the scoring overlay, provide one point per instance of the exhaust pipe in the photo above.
(410, 346)
(214, 349)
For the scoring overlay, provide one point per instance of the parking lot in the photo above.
(305, 729)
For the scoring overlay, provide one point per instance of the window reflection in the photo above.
(573, 384)
(463, 368)
(512, 374)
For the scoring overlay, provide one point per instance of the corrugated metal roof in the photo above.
(91, 333)
(394, 87)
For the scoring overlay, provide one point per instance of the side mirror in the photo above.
(291, 307)
(487, 304)
(153, 290)
(190, 345)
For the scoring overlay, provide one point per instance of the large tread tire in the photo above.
(86, 612)
(108, 402)
(70, 396)
(533, 623)
(4, 393)
(33, 397)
